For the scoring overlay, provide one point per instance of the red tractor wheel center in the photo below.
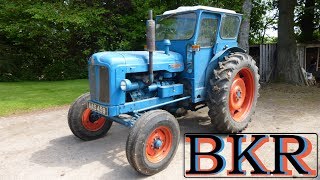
(158, 144)
(91, 121)
(241, 94)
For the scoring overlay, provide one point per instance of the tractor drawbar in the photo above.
(151, 44)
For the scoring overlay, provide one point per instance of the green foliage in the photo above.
(52, 40)
(261, 21)
(307, 19)
(47, 37)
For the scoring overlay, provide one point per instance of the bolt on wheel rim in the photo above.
(158, 144)
(89, 124)
(241, 94)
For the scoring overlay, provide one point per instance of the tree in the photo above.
(307, 25)
(308, 13)
(288, 66)
(245, 25)
(264, 16)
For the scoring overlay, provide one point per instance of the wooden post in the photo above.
(305, 57)
(261, 62)
(318, 58)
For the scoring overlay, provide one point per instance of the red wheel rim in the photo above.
(241, 94)
(89, 124)
(156, 151)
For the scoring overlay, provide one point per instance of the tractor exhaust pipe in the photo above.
(151, 44)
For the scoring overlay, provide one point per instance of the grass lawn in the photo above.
(25, 96)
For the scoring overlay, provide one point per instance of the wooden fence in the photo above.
(266, 57)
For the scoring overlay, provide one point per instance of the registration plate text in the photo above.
(98, 108)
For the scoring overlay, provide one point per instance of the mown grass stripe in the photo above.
(25, 96)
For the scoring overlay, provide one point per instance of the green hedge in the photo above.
(52, 40)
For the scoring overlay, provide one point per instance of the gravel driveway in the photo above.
(40, 144)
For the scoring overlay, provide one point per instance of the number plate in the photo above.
(98, 108)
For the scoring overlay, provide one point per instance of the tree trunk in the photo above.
(288, 65)
(306, 24)
(245, 25)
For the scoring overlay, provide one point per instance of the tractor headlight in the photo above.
(127, 85)
(123, 85)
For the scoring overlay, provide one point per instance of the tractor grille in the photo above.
(104, 84)
(92, 81)
(103, 94)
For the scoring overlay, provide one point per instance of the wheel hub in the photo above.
(241, 94)
(157, 143)
(238, 93)
(93, 117)
(91, 121)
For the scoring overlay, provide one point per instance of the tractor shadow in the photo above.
(71, 152)
(196, 122)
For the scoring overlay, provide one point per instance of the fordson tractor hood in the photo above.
(137, 61)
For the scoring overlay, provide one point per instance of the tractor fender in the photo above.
(219, 57)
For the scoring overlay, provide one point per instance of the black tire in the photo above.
(219, 91)
(139, 134)
(75, 120)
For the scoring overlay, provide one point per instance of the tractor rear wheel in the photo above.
(84, 123)
(152, 142)
(233, 93)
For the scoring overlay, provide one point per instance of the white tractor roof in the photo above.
(193, 8)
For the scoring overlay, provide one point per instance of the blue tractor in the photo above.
(192, 61)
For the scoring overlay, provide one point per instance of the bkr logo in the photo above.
(258, 155)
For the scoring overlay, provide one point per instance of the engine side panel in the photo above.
(116, 65)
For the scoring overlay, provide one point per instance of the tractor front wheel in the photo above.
(152, 142)
(84, 123)
(233, 93)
